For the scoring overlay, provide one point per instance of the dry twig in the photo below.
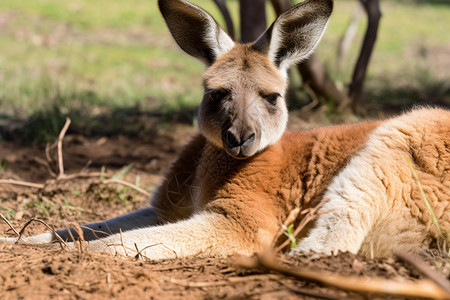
(80, 240)
(139, 252)
(424, 269)
(60, 240)
(362, 285)
(60, 154)
(79, 231)
(22, 183)
(171, 268)
(80, 175)
(311, 214)
(315, 294)
(10, 225)
(48, 148)
(314, 99)
(62, 175)
(289, 220)
(46, 164)
(122, 182)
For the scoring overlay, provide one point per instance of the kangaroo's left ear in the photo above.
(194, 30)
(295, 33)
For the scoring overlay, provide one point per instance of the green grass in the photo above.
(425, 199)
(288, 231)
(92, 57)
(121, 56)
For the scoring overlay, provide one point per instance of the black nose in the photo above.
(234, 141)
(231, 140)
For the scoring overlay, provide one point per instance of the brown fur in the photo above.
(259, 192)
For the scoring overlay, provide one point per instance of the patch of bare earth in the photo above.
(51, 272)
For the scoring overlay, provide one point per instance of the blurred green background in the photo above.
(86, 58)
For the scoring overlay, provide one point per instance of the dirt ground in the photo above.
(42, 272)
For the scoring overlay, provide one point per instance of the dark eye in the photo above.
(215, 95)
(271, 98)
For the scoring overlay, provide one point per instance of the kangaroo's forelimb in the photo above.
(145, 217)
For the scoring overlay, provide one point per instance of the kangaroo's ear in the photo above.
(295, 33)
(194, 30)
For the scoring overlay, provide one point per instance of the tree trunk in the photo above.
(227, 17)
(316, 76)
(280, 6)
(253, 19)
(372, 9)
(346, 40)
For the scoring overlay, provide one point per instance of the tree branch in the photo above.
(373, 12)
(281, 6)
(347, 38)
(227, 17)
(253, 19)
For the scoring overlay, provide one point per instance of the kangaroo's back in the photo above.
(392, 194)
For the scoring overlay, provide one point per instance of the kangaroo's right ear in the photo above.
(194, 30)
(295, 33)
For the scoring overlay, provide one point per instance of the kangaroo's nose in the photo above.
(233, 141)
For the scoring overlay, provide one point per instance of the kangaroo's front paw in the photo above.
(8, 240)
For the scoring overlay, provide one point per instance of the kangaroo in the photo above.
(238, 179)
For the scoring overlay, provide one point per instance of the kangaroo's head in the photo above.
(243, 109)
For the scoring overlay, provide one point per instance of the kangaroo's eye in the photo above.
(215, 95)
(271, 98)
